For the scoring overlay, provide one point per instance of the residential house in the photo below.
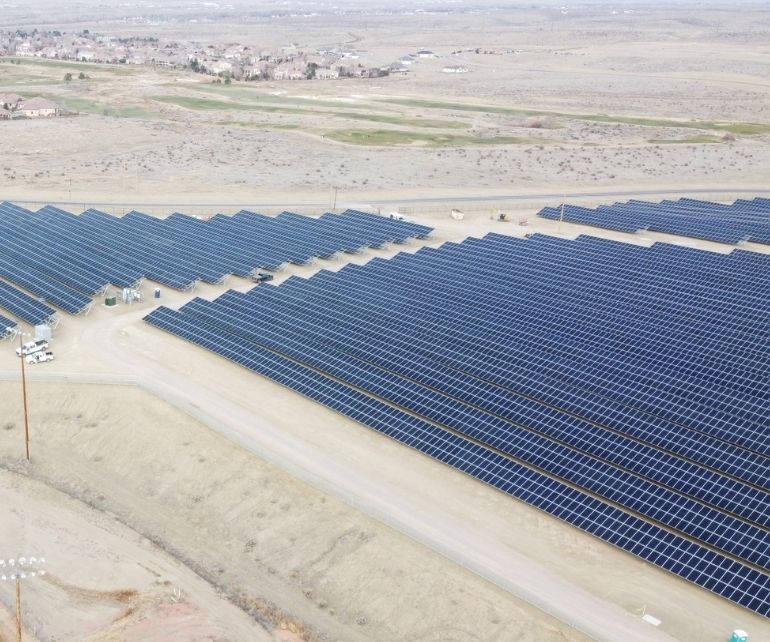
(455, 69)
(220, 67)
(10, 101)
(39, 108)
(259, 71)
(5, 114)
(85, 55)
(325, 73)
(288, 72)
(24, 48)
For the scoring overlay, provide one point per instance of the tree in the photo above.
(67, 77)
(82, 76)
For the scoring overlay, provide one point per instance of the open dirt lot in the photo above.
(589, 100)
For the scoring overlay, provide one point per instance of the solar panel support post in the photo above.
(24, 395)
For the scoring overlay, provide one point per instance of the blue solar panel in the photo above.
(67, 259)
(44, 287)
(24, 306)
(637, 428)
(715, 572)
(6, 326)
(731, 224)
(506, 436)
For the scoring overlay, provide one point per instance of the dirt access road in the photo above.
(409, 513)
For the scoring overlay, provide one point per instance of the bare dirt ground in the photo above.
(590, 99)
(221, 481)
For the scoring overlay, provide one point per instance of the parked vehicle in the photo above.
(31, 347)
(261, 277)
(39, 357)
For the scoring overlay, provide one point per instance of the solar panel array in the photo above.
(65, 259)
(744, 220)
(24, 307)
(7, 326)
(622, 389)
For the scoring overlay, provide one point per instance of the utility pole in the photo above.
(18, 609)
(334, 206)
(16, 570)
(561, 217)
(24, 394)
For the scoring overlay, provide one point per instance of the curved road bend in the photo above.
(408, 513)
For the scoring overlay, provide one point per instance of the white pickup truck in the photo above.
(31, 347)
(39, 357)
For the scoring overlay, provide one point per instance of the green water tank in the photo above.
(110, 301)
(739, 636)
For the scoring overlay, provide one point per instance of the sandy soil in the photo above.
(111, 583)
(652, 65)
(259, 538)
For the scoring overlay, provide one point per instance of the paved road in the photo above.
(476, 198)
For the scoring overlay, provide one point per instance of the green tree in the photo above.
(67, 77)
(82, 76)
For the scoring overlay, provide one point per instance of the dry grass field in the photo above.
(180, 497)
(591, 100)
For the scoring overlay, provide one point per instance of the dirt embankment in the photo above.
(157, 521)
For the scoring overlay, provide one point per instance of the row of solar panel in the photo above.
(77, 257)
(23, 306)
(717, 395)
(731, 224)
(399, 330)
(179, 250)
(528, 271)
(515, 435)
(712, 570)
(7, 326)
(339, 292)
(346, 292)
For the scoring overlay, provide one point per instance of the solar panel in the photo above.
(685, 558)
(24, 306)
(67, 259)
(6, 326)
(730, 224)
